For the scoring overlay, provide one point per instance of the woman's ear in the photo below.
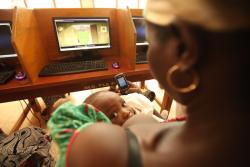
(182, 78)
(187, 47)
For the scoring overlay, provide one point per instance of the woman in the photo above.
(199, 53)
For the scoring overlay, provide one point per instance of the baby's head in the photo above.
(112, 105)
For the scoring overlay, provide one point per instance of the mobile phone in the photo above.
(121, 82)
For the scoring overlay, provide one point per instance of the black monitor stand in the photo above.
(84, 56)
(141, 54)
(6, 73)
(141, 49)
(4, 67)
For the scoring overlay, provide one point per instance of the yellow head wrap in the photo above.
(215, 15)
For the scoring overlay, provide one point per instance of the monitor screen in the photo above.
(6, 48)
(82, 33)
(140, 30)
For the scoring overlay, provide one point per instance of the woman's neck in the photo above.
(219, 112)
(218, 98)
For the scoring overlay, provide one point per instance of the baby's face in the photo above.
(114, 107)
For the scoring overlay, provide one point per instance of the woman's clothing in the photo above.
(28, 144)
(134, 156)
(141, 104)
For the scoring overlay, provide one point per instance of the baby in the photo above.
(112, 105)
(117, 108)
(120, 108)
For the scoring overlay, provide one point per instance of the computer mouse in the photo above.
(20, 75)
(115, 65)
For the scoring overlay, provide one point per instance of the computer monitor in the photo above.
(75, 34)
(139, 23)
(6, 48)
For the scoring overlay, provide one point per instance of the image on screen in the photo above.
(82, 33)
(139, 23)
(6, 48)
(122, 82)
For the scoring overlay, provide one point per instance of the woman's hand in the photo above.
(133, 88)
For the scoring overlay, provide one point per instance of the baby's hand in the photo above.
(60, 102)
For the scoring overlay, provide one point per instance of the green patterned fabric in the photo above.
(68, 119)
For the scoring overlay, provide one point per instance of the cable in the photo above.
(32, 112)
(23, 110)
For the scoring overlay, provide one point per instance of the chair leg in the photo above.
(142, 83)
(32, 103)
(166, 102)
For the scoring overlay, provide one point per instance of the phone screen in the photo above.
(122, 82)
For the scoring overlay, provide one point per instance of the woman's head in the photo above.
(195, 49)
(112, 105)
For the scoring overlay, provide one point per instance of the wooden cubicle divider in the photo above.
(27, 42)
(127, 37)
(121, 29)
(34, 36)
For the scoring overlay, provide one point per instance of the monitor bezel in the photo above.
(139, 18)
(80, 49)
(8, 56)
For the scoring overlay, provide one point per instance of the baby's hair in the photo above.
(94, 100)
(91, 98)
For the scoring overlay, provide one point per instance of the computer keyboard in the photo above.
(60, 68)
(141, 58)
(6, 75)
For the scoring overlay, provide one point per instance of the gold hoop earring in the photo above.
(191, 87)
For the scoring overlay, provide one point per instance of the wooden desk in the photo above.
(46, 86)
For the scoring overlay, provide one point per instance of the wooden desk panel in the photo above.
(46, 86)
